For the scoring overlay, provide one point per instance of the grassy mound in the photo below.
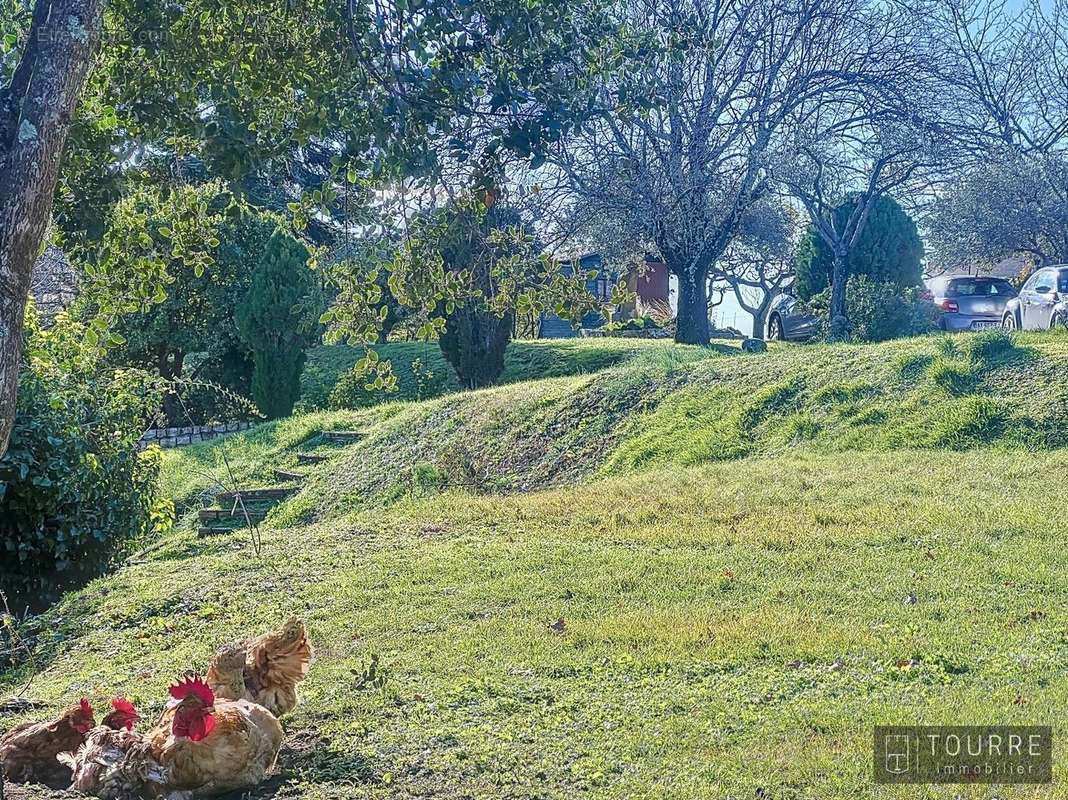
(695, 574)
(524, 361)
(667, 405)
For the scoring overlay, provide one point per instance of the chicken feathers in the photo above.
(115, 765)
(276, 662)
(28, 752)
(210, 746)
(265, 670)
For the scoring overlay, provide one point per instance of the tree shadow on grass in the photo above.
(309, 756)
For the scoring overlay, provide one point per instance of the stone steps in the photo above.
(286, 475)
(257, 502)
(342, 437)
(255, 495)
(213, 514)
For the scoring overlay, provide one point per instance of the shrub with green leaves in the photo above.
(203, 241)
(351, 390)
(74, 490)
(277, 320)
(879, 311)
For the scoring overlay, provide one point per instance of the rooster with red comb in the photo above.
(209, 746)
(122, 715)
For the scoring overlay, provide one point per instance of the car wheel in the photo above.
(1008, 322)
(775, 328)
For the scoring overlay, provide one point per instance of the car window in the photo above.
(1044, 281)
(981, 287)
(1062, 282)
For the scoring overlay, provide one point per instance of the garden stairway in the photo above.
(333, 440)
(237, 509)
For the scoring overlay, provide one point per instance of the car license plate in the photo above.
(979, 325)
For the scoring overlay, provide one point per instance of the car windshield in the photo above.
(982, 287)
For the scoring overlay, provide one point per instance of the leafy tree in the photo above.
(475, 335)
(461, 275)
(888, 250)
(276, 319)
(253, 81)
(195, 321)
(1016, 206)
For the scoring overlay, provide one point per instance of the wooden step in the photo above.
(342, 437)
(204, 531)
(213, 514)
(311, 458)
(286, 475)
(254, 495)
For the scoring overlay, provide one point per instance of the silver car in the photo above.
(970, 302)
(1042, 302)
(788, 321)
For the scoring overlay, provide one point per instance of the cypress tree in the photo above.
(277, 321)
(889, 250)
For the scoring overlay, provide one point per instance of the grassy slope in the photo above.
(744, 593)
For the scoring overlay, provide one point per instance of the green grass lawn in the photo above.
(743, 596)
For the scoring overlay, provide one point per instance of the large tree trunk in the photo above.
(692, 318)
(760, 319)
(839, 316)
(35, 114)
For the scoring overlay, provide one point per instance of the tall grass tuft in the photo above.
(955, 376)
(990, 347)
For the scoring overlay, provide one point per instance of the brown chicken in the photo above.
(207, 747)
(265, 670)
(28, 752)
(226, 673)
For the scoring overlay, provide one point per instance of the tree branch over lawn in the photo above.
(1002, 81)
(877, 136)
(759, 264)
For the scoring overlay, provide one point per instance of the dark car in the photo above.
(789, 321)
(970, 302)
(1042, 302)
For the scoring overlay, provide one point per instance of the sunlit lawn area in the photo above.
(727, 629)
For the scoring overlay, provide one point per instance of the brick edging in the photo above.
(180, 437)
